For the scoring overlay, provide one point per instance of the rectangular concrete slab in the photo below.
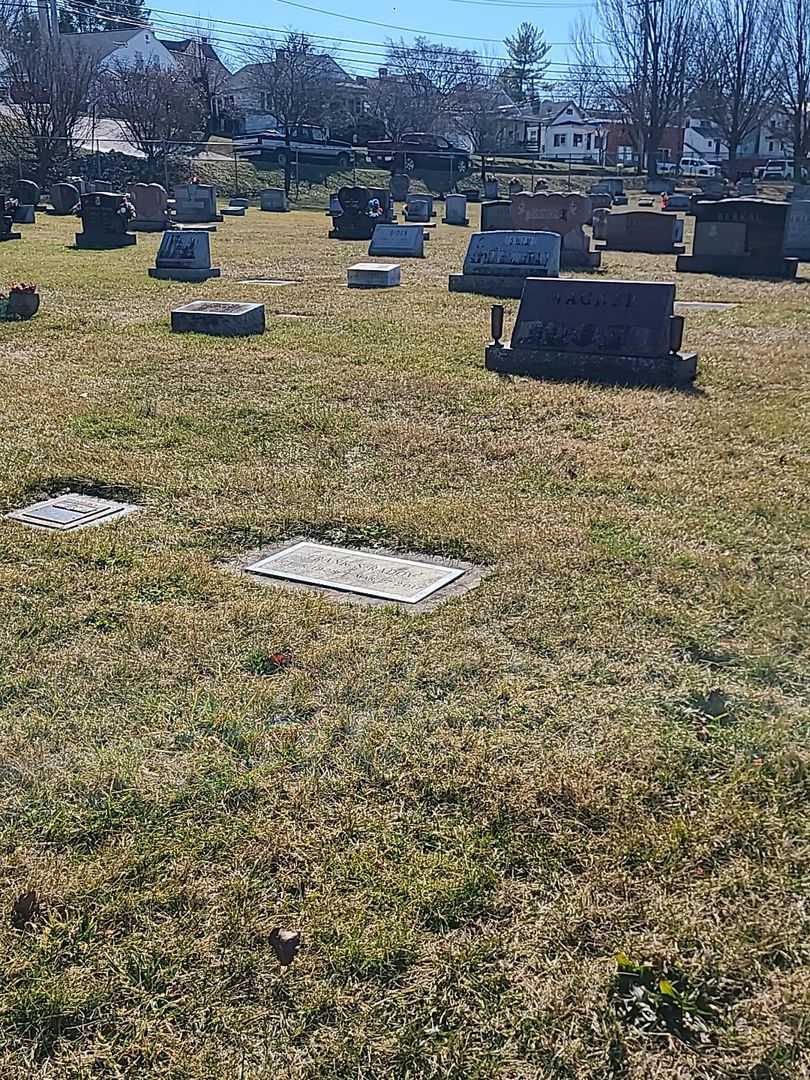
(373, 275)
(220, 318)
(404, 581)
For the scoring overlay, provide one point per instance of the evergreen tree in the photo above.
(83, 18)
(528, 51)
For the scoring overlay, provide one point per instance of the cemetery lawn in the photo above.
(467, 813)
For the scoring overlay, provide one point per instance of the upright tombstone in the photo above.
(274, 200)
(399, 187)
(676, 201)
(237, 201)
(640, 230)
(659, 185)
(184, 255)
(498, 263)
(195, 204)
(797, 231)
(79, 183)
(612, 186)
(26, 192)
(105, 221)
(419, 208)
(746, 186)
(602, 331)
(739, 238)
(563, 214)
(7, 219)
(357, 212)
(514, 187)
(151, 208)
(400, 241)
(455, 210)
(64, 199)
(496, 216)
(24, 214)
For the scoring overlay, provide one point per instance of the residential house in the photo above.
(621, 143)
(705, 140)
(200, 58)
(770, 140)
(122, 47)
(248, 107)
(568, 133)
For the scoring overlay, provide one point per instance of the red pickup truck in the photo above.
(416, 151)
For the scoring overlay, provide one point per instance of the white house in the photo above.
(570, 133)
(769, 140)
(705, 140)
(123, 47)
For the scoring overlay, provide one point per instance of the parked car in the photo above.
(307, 144)
(418, 150)
(666, 168)
(696, 166)
(780, 169)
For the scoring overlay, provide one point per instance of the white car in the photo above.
(695, 166)
(781, 169)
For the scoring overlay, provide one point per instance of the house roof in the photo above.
(183, 46)
(102, 43)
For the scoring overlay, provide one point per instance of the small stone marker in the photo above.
(399, 187)
(239, 201)
(403, 241)
(374, 275)
(640, 230)
(496, 216)
(746, 186)
(69, 512)
(797, 230)
(105, 222)
(419, 208)
(455, 210)
(6, 220)
(184, 255)
(498, 263)
(739, 238)
(622, 332)
(233, 211)
(195, 203)
(273, 200)
(64, 199)
(658, 185)
(675, 202)
(151, 208)
(24, 215)
(404, 581)
(220, 318)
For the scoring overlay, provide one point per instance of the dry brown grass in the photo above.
(467, 813)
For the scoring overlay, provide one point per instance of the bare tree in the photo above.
(158, 108)
(478, 106)
(430, 77)
(51, 82)
(645, 67)
(293, 80)
(735, 67)
(793, 65)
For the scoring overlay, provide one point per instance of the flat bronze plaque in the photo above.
(70, 512)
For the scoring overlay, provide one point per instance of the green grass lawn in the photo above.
(467, 813)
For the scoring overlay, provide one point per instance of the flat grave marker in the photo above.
(384, 577)
(219, 318)
(67, 513)
(374, 275)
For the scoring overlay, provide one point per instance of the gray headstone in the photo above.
(64, 198)
(797, 230)
(237, 201)
(455, 210)
(184, 255)
(419, 208)
(151, 205)
(220, 318)
(24, 215)
(26, 192)
(622, 318)
(514, 254)
(496, 215)
(195, 203)
(404, 581)
(274, 200)
(403, 241)
(719, 238)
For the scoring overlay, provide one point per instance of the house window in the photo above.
(559, 140)
(569, 112)
(577, 140)
(770, 146)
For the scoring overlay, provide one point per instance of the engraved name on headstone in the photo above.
(406, 581)
(184, 255)
(404, 241)
(797, 230)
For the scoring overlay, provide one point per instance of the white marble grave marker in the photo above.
(404, 241)
(69, 512)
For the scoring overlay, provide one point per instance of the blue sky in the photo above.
(359, 31)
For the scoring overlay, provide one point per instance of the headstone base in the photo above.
(504, 286)
(145, 225)
(10, 236)
(195, 228)
(90, 243)
(374, 275)
(466, 221)
(219, 319)
(676, 369)
(354, 233)
(649, 249)
(192, 221)
(620, 200)
(755, 266)
(233, 211)
(170, 274)
(580, 260)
